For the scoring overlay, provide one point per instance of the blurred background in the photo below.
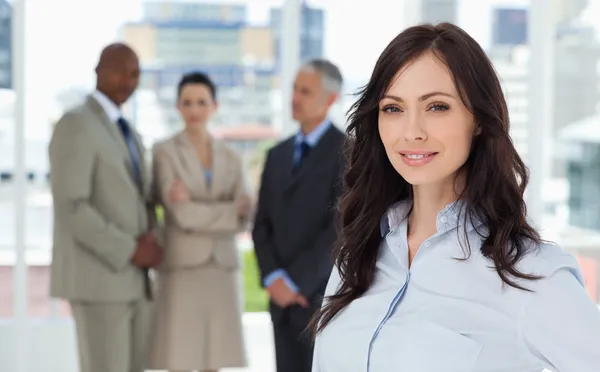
(546, 52)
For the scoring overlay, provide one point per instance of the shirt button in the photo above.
(444, 219)
(427, 244)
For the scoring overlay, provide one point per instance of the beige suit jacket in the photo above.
(99, 210)
(205, 227)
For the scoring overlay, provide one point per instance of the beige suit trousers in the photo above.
(112, 337)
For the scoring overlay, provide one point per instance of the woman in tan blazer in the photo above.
(200, 184)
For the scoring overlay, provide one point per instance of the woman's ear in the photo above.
(477, 130)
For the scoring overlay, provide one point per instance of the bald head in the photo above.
(114, 54)
(117, 72)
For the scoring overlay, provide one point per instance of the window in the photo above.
(5, 57)
(351, 34)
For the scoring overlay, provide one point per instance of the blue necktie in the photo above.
(135, 164)
(133, 151)
(304, 151)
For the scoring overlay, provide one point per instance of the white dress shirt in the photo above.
(112, 111)
(448, 315)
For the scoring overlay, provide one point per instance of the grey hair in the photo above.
(331, 76)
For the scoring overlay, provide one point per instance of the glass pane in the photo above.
(6, 162)
(233, 42)
(238, 44)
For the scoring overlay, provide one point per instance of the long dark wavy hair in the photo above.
(496, 176)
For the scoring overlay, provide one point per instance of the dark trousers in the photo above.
(293, 343)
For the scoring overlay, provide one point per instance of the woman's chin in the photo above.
(421, 177)
(195, 125)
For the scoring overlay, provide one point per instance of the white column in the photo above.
(20, 268)
(542, 35)
(291, 14)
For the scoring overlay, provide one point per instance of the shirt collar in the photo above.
(112, 111)
(452, 216)
(315, 135)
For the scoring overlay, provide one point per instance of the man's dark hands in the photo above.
(147, 254)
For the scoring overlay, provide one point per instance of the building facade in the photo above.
(178, 37)
(5, 45)
(436, 11)
(312, 32)
(582, 156)
(509, 27)
(190, 10)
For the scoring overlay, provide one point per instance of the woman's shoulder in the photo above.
(545, 259)
(334, 282)
(165, 143)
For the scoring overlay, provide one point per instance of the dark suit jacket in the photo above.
(294, 225)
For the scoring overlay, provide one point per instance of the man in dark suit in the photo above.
(294, 229)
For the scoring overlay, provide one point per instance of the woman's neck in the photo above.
(428, 201)
(198, 136)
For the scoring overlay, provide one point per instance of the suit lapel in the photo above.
(144, 170)
(316, 157)
(121, 145)
(110, 126)
(189, 159)
(288, 162)
(220, 168)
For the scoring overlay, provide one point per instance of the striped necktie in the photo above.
(133, 151)
(137, 175)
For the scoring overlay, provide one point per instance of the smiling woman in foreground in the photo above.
(437, 267)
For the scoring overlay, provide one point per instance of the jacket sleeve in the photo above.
(262, 233)
(72, 161)
(210, 217)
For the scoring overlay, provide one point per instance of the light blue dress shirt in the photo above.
(208, 175)
(311, 140)
(446, 315)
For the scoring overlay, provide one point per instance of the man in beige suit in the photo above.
(103, 247)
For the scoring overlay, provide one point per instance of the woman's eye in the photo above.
(439, 107)
(391, 109)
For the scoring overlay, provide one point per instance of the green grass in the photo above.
(254, 295)
(160, 214)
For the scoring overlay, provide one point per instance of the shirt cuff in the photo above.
(280, 273)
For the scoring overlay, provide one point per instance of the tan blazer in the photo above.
(99, 210)
(205, 227)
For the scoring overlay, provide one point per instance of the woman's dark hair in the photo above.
(197, 78)
(496, 176)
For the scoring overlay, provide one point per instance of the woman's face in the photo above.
(425, 127)
(196, 105)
